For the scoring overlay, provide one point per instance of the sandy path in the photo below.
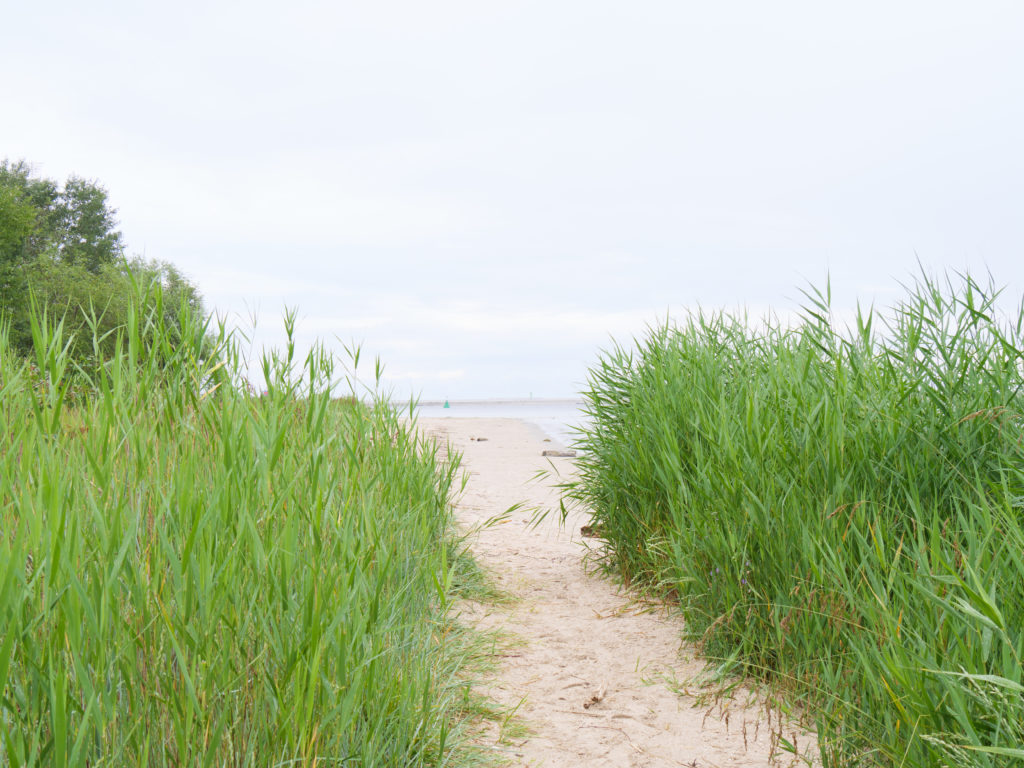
(580, 637)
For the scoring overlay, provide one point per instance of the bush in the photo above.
(192, 575)
(838, 512)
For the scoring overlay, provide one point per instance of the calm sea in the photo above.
(557, 418)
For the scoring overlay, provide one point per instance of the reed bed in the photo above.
(195, 575)
(837, 511)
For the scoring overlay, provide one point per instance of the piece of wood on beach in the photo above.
(563, 454)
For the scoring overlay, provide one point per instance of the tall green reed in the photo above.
(191, 574)
(839, 511)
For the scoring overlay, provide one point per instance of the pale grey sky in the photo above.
(484, 193)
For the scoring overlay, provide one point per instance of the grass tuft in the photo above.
(837, 511)
(191, 574)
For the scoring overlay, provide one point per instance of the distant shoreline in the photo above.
(505, 401)
(557, 417)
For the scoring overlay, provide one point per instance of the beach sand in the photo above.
(596, 677)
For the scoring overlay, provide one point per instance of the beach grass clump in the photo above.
(840, 511)
(195, 575)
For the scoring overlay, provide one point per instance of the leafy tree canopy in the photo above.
(61, 251)
(74, 223)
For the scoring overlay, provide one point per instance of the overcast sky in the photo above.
(484, 193)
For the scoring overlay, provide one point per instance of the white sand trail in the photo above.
(581, 638)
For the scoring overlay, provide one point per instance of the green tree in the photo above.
(42, 197)
(17, 223)
(75, 223)
(61, 247)
(86, 231)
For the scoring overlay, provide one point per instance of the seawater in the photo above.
(559, 419)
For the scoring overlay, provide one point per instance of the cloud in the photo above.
(425, 375)
(475, 318)
(254, 285)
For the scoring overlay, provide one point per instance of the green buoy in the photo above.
(446, 404)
